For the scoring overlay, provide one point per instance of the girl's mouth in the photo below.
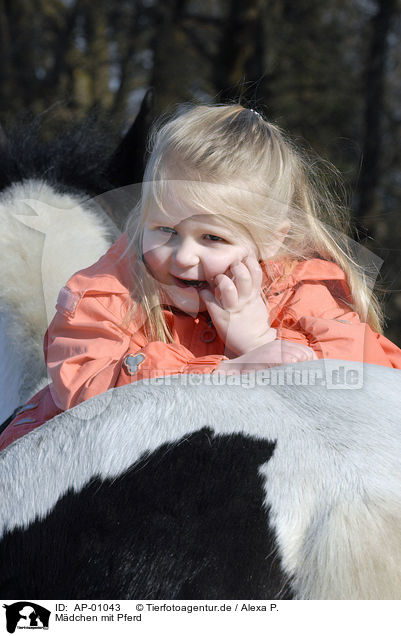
(197, 284)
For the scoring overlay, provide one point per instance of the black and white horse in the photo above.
(286, 485)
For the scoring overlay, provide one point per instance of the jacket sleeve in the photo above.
(333, 330)
(83, 351)
(87, 352)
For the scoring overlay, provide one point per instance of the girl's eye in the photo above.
(167, 230)
(212, 237)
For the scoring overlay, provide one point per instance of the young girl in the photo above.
(234, 262)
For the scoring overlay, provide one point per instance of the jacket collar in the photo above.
(278, 276)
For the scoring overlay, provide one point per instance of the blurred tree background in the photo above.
(328, 72)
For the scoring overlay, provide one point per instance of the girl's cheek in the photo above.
(220, 263)
(155, 262)
(216, 264)
(154, 241)
(149, 247)
(155, 248)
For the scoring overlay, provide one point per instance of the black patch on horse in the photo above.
(186, 522)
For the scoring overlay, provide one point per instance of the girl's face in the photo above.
(185, 251)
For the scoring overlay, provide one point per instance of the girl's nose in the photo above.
(185, 254)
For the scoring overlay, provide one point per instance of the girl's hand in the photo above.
(237, 309)
(269, 355)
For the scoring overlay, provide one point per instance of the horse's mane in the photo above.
(76, 160)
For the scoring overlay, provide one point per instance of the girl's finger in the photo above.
(227, 292)
(212, 303)
(255, 271)
(242, 279)
(300, 353)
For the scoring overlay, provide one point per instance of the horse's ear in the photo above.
(3, 137)
(127, 163)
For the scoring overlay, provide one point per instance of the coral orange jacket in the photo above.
(87, 351)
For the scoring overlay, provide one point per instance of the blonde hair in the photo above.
(229, 159)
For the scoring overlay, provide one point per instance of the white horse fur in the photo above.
(45, 238)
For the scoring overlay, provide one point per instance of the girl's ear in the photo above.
(277, 240)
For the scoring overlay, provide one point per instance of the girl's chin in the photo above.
(189, 301)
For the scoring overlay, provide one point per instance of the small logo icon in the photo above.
(26, 615)
(132, 363)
